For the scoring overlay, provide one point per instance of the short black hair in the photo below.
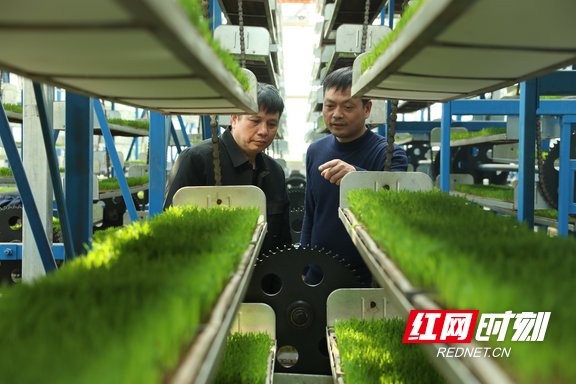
(269, 99)
(341, 79)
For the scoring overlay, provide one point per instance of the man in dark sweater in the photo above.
(351, 147)
(243, 163)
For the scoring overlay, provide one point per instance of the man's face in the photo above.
(343, 115)
(254, 133)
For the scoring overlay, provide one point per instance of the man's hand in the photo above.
(335, 170)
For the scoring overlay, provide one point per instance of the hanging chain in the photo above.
(391, 133)
(215, 150)
(241, 25)
(365, 25)
(205, 9)
(540, 159)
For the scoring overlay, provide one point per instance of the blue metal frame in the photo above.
(215, 15)
(26, 193)
(511, 107)
(175, 136)
(427, 126)
(115, 161)
(559, 83)
(566, 176)
(157, 165)
(79, 165)
(527, 147)
(445, 146)
(13, 251)
(50, 145)
(183, 128)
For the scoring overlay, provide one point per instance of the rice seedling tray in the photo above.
(9, 180)
(14, 117)
(117, 193)
(540, 220)
(401, 294)
(199, 363)
(501, 138)
(486, 201)
(152, 54)
(444, 53)
(255, 14)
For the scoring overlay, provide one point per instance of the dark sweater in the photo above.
(195, 167)
(321, 226)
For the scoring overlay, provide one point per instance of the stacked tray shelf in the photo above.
(349, 12)
(200, 363)
(507, 208)
(405, 297)
(445, 53)
(142, 53)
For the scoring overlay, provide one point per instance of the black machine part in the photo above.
(549, 175)
(465, 160)
(296, 220)
(300, 308)
(11, 224)
(297, 196)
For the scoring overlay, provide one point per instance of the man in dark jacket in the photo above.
(243, 163)
(351, 147)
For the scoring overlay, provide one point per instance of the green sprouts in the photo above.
(479, 260)
(492, 191)
(379, 48)
(194, 10)
(5, 172)
(131, 123)
(245, 360)
(126, 311)
(483, 132)
(12, 107)
(373, 352)
(112, 184)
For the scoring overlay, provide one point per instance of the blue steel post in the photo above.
(26, 193)
(79, 164)
(215, 15)
(136, 148)
(383, 129)
(175, 136)
(528, 106)
(183, 128)
(446, 124)
(565, 176)
(50, 146)
(157, 164)
(115, 161)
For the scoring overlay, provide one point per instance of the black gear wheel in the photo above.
(300, 308)
(416, 153)
(296, 219)
(551, 174)
(297, 197)
(11, 224)
(10, 271)
(295, 182)
(463, 160)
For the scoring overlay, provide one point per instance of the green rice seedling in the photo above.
(245, 360)
(483, 132)
(551, 97)
(135, 162)
(500, 192)
(373, 352)
(478, 260)
(130, 123)
(12, 107)
(56, 224)
(126, 311)
(101, 236)
(194, 10)
(379, 48)
(5, 172)
(112, 184)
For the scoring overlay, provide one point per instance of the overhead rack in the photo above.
(445, 52)
(255, 13)
(257, 51)
(346, 12)
(142, 53)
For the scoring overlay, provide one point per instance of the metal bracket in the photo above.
(365, 303)
(411, 181)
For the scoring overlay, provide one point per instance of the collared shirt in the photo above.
(195, 167)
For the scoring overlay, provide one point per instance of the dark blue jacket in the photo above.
(321, 226)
